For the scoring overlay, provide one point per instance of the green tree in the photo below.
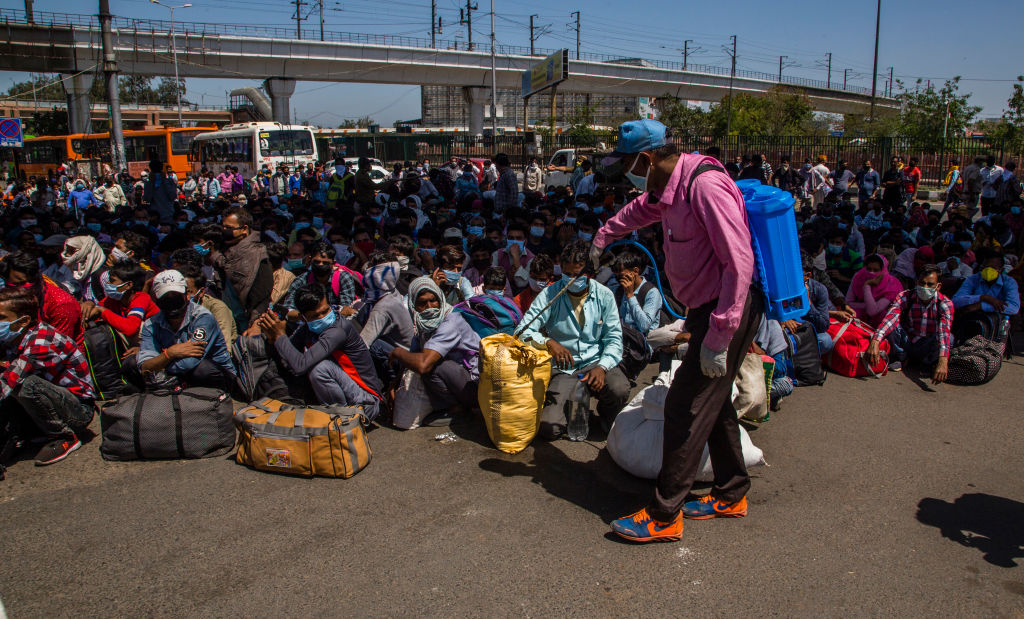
(52, 122)
(685, 121)
(926, 112)
(46, 85)
(357, 123)
(1012, 125)
(167, 94)
(779, 111)
(581, 122)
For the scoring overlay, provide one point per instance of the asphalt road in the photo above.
(880, 499)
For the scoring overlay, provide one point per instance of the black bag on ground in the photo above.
(803, 359)
(975, 362)
(635, 355)
(104, 348)
(257, 374)
(186, 423)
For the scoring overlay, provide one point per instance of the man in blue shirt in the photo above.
(583, 333)
(868, 182)
(639, 301)
(81, 198)
(182, 343)
(984, 298)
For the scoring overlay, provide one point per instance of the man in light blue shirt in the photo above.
(984, 298)
(639, 301)
(583, 333)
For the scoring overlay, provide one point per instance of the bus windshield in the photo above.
(286, 142)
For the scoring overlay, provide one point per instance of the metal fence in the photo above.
(392, 148)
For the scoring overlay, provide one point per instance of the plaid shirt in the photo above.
(936, 319)
(51, 355)
(506, 191)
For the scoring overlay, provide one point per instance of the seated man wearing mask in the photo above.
(328, 350)
(583, 333)
(918, 326)
(125, 304)
(542, 269)
(984, 298)
(445, 352)
(182, 343)
(448, 274)
(45, 374)
(639, 301)
(388, 324)
(341, 287)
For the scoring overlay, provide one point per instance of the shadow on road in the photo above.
(992, 524)
(598, 486)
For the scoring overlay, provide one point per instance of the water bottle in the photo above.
(579, 414)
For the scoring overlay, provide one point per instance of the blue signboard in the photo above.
(10, 132)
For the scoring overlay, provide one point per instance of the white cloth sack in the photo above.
(635, 440)
(749, 392)
(411, 402)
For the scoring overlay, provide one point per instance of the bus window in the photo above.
(287, 142)
(181, 141)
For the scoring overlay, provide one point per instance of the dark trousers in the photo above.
(557, 400)
(924, 351)
(53, 409)
(386, 372)
(699, 410)
(450, 383)
(205, 374)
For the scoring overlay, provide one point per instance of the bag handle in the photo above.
(178, 438)
(867, 366)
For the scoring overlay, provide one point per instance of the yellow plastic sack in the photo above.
(513, 379)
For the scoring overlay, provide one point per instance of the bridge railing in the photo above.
(74, 20)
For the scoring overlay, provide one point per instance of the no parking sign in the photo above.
(10, 132)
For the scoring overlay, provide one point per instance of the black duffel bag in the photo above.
(803, 359)
(975, 362)
(184, 423)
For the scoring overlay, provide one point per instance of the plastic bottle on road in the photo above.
(579, 421)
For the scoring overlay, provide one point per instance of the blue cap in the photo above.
(637, 136)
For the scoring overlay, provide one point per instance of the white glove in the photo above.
(712, 363)
(595, 256)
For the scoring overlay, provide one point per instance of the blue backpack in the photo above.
(487, 314)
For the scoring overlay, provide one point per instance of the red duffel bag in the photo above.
(849, 351)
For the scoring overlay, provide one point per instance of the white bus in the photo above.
(250, 146)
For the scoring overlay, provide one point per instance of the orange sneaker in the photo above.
(709, 507)
(640, 527)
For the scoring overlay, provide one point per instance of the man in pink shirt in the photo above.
(710, 266)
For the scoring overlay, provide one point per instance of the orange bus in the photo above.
(169, 144)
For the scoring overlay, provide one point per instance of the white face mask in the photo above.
(819, 261)
(640, 182)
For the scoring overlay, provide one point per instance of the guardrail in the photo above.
(74, 20)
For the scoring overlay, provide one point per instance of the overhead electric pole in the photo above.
(828, 80)
(433, 23)
(298, 18)
(781, 58)
(892, 82)
(686, 52)
(874, 71)
(320, 4)
(732, 76)
(577, 14)
(845, 71)
(494, 83)
(532, 38)
(117, 156)
(29, 16)
(468, 21)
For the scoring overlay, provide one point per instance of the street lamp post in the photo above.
(174, 53)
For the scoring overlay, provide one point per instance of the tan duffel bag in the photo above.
(327, 441)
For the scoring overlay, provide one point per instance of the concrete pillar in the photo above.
(79, 105)
(476, 98)
(280, 90)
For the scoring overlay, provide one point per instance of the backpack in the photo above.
(257, 376)
(975, 362)
(487, 314)
(803, 359)
(664, 318)
(104, 347)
